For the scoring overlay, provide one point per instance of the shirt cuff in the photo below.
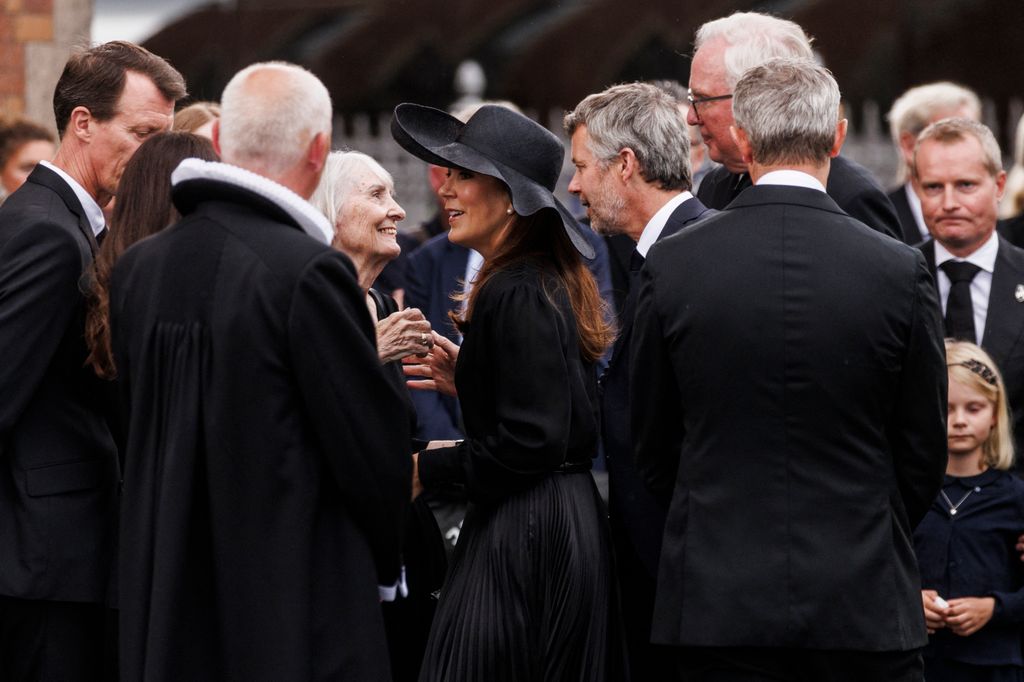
(391, 592)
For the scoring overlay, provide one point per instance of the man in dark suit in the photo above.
(267, 469)
(910, 114)
(789, 393)
(979, 275)
(724, 48)
(631, 153)
(58, 495)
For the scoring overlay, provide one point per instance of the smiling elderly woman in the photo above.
(358, 196)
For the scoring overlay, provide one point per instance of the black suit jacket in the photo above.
(433, 272)
(633, 508)
(1003, 337)
(849, 184)
(59, 472)
(789, 395)
(909, 234)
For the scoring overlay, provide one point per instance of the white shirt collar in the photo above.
(914, 202)
(984, 256)
(790, 178)
(313, 222)
(656, 224)
(93, 212)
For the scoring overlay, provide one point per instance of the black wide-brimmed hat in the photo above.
(496, 141)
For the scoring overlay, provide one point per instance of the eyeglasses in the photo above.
(694, 101)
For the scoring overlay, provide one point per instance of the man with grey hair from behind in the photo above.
(632, 156)
(267, 466)
(723, 50)
(792, 414)
(911, 113)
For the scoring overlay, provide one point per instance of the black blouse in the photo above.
(529, 400)
(971, 554)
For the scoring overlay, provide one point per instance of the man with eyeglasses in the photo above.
(724, 49)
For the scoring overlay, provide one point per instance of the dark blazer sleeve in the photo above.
(523, 336)
(654, 397)
(366, 442)
(40, 268)
(917, 432)
(858, 193)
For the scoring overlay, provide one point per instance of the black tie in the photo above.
(959, 311)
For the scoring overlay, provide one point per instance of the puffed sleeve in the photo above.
(525, 341)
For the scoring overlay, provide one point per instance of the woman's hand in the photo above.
(969, 614)
(402, 334)
(934, 614)
(437, 370)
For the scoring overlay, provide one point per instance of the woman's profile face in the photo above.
(478, 208)
(366, 226)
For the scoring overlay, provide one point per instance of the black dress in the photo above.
(529, 592)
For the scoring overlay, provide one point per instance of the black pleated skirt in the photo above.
(529, 595)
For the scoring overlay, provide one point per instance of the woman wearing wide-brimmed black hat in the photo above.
(529, 592)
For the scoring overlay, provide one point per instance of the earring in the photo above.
(509, 210)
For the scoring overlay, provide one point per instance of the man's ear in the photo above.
(742, 140)
(80, 124)
(841, 127)
(318, 150)
(627, 164)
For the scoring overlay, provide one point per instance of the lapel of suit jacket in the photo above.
(687, 212)
(55, 183)
(1004, 321)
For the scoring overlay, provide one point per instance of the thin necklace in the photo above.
(954, 507)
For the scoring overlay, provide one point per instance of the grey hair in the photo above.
(269, 129)
(754, 38)
(949, 130)
(917, 107)
(341, 170)
(789, 109)
(641, 117)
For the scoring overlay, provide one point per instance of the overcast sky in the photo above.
(137, 20)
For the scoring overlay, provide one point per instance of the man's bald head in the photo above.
(270, 113)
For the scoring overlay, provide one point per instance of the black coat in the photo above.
(1003, 337)
(908, 224)
(268, 468)
(59, 471)
(788, 393)
(849, 184)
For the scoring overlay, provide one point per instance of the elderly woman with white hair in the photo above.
(358, 196)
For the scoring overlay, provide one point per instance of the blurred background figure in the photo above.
(1011, 208)
(358, 196)
(23, 144)
(911, 113)
(143, 208)
(197, 118)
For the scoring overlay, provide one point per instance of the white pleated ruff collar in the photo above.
(312, 221)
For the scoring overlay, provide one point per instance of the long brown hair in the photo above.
(541, 239)
(142, 208)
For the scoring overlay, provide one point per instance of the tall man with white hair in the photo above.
(723, 50)
(267, 463)
(911, 113)
(790, 393)
(632, 158)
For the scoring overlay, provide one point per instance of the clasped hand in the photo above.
(434, 371)
(402, 334)
(963, 616)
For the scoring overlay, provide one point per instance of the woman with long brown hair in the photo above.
(143, 207)
(529, 591)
